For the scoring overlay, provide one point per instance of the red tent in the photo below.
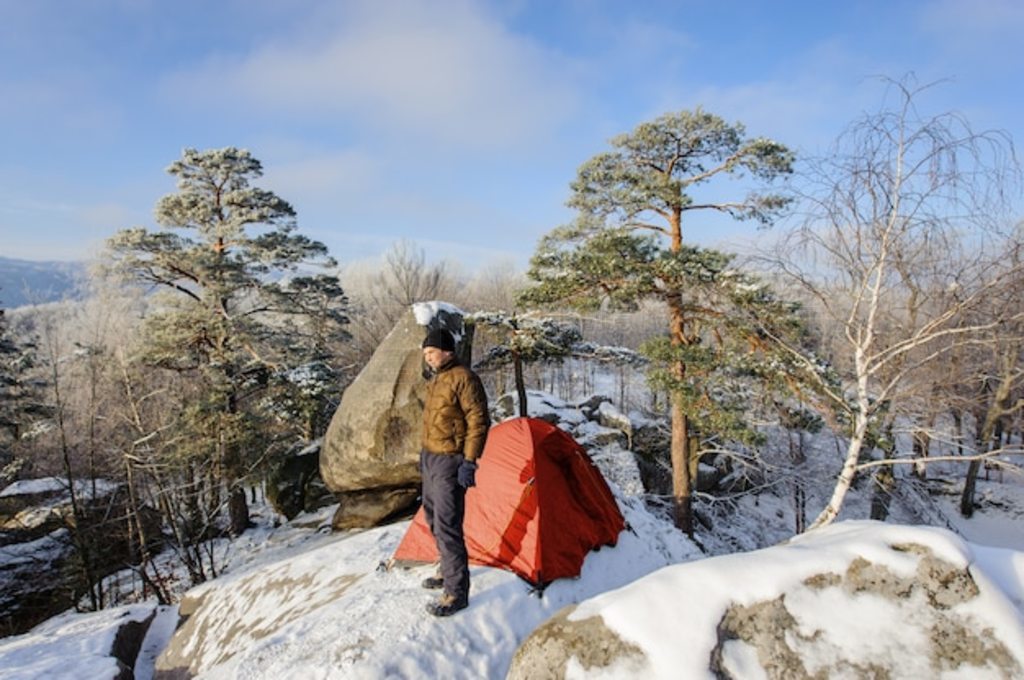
(539, 506)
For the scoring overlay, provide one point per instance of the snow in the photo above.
(157, 637)
(315, 605)
(869, 627)
(68, 647)
(43, 549)
(34, 486)
(426, 311)
(55, 485)
(619, 469)
(330, 613)
(1006, 531)
(548, 407)
(295, 601)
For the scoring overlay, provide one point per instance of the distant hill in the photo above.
(24, 282)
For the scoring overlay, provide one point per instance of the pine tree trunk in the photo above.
(681, 481)
(238, 510)
(520, 384)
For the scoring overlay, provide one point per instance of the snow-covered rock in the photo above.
(101, 646)
(611, 417)
(858, 599)
(329, 612)
(47, 491)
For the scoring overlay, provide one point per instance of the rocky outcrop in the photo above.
(294, 484)
(784, 647)
(131, 632)
(892, 610)
(587, 643)
(370, 454)
(104, 644)
(41, 568)
(218, 621)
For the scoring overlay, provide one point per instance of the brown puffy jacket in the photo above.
(455, 418)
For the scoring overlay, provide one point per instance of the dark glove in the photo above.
(467, 474)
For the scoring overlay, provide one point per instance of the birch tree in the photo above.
(902, 217)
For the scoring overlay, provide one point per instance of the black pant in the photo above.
(444, 505)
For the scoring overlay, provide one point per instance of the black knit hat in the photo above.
(441, 339)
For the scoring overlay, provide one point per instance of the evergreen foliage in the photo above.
(226, 318)
(17, 405)
(530, 339)
(626, 246)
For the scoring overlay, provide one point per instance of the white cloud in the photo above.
(446, 71)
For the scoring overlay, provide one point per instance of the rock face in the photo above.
(905, 609)
(783, 645)
(40, 572)
(294, 483)
(370, 454)
(548, 652)
(221, 619)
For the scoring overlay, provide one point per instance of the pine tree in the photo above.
(529, 339)
(221, 317)
(626, 245)
(20, 406)
(10, 411)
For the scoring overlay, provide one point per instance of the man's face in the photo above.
(435, 357)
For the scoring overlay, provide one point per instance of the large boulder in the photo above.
(860, 599)
(370, 454)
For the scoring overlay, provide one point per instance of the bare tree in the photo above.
(994, 375)
(494, 287)
(380, 295)
(901, 217)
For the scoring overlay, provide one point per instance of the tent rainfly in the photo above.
(539, 506)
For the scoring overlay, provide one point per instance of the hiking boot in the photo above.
(435, 582)
(447, 605)
(432, 583)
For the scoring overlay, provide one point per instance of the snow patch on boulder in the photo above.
(857, 599)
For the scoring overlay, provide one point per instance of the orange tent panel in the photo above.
(539, 506)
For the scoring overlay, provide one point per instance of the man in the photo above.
(455, 423)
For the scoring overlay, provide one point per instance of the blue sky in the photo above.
(456, 124)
